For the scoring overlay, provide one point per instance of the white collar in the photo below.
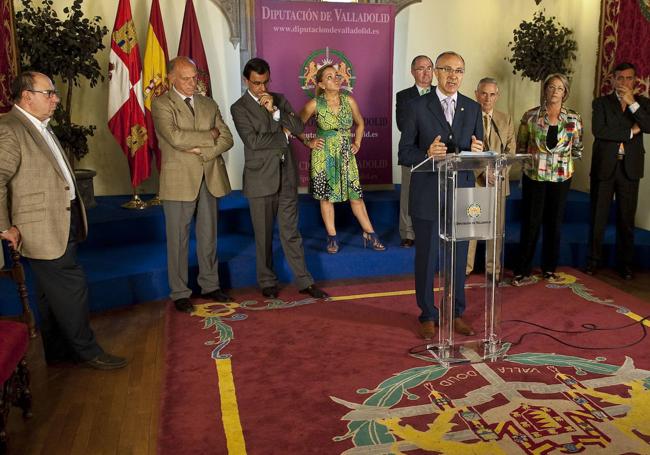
(183, 96)
(442, 96)
(37, 123)
(257, 100)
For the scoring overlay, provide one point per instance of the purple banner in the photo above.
(297, 38)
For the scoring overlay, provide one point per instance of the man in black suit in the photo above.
(422, 72)
(265, 121)
(440, 122)
(619, 121)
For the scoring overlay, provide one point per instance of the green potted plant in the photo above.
(64, 49)
(541, 47)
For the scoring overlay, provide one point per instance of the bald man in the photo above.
(440, 122)
(192, 137)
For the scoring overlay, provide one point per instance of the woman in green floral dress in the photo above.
(334, 171)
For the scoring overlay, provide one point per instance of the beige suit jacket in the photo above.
(178, 130)
(34, 194)
(502, 140)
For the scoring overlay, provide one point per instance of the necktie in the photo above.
(448, 104)
(424, 91)
(486, 131)
(188, 101)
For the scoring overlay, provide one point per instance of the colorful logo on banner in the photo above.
(320, 58)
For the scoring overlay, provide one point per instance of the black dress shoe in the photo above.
(218, 296)
(406, 243)
(591, 269)
(184, 305)
(314, 292)
(106, 361)
(270, 292)
(626, 273)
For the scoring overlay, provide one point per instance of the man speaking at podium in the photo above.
(440, 122)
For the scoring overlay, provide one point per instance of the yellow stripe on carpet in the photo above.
(229, 409)
(637, 318)
(376, 294)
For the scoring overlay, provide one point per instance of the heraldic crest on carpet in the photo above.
(530, 403)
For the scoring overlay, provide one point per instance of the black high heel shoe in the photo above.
(371, 239)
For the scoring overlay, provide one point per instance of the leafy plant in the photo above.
(64, 49)
(542, 47)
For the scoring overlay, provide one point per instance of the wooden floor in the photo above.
(78, 410)
(82, 411)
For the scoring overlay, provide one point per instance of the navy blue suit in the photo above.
(423, 121)
(402, 100)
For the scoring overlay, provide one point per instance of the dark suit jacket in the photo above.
(611, 126)
(265, 143)
(424, 120)
(401, 103)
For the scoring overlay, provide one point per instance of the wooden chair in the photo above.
(14, 341)
(17, 273)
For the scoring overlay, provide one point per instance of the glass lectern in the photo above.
(469, 214)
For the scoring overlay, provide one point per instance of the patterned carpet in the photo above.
(301, 376)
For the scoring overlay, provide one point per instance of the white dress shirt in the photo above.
(443, 99)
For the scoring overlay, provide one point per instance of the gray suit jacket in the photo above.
(265, 144)
(34, 194)
(177, 130)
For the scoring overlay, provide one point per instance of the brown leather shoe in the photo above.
(427, 330)
(406, 243)
(462, 328)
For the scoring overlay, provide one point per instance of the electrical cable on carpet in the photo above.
(589, 327)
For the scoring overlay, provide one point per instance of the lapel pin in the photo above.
(462, 109)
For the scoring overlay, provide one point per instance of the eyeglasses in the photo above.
(450, 70)
(421, 69)
(258, 83)
(48, 93)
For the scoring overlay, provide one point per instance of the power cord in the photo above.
(588, 327)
